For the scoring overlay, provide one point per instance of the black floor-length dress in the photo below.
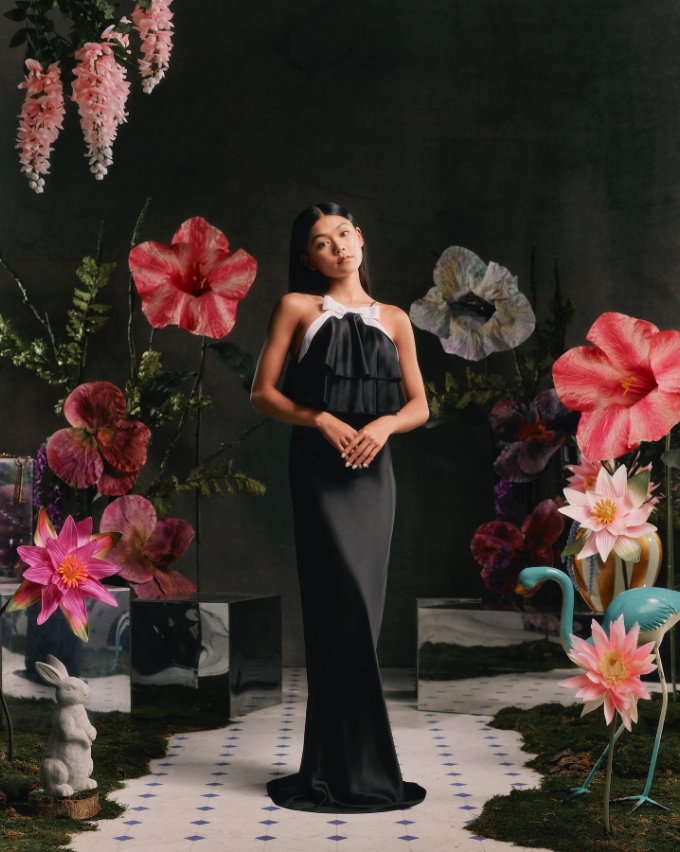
(343, 519)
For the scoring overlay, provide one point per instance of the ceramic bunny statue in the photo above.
(67, 763)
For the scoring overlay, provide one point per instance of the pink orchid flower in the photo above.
(64, 569)
(195, 282)
(613, 665)
(626, 386)
(102, 448)
(614, 515)
(148, 546)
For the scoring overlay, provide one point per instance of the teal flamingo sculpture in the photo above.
(656, 610)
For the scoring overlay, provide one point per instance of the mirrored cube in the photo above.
(206, 652)
(103, 662)
(476, 659)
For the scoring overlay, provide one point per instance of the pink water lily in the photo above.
(64, 569)
(614, 514)
(626, 386)
(102, 447)
(196, 282)
(148, 547)
(613, 665)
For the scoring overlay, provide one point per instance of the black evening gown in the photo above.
(343, 521)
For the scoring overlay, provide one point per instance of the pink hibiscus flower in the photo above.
(626, 386)
(195, 282)
(614, 515)
(613, 665)
(148, 547)
(102, 447)
(64, 569)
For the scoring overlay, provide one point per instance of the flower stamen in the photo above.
(613, 667)
(627, 383)
(72, 571)
(604, 510)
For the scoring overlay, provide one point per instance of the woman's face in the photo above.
(334, 247)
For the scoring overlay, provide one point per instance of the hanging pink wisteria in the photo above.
(98, 56)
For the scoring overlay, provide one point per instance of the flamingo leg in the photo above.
(640, 800)
(585, 787)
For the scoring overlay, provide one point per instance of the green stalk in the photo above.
(608, 776)
(131, 291)
(5, 710)
(670, 561)
(198, 461)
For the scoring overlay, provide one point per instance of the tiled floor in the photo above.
(208, 792)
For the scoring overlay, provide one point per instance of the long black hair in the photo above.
(303, 280)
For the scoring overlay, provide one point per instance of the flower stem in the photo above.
(5, 710)
(670, 561)
(199, 380)
(608, 776)
(131, 291)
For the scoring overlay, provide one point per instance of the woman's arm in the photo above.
(266, 398)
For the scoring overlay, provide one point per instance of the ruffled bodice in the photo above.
(347, 363)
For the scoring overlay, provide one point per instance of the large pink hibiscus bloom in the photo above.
(64, 569)
(148, 547)
(102, 447)
(627, 385)
(195, 282)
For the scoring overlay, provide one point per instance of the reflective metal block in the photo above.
(16, 513)
(465, 651)
(206, 652)
(103, 662)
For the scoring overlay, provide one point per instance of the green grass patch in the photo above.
(444, 661)
(566, 746)
(122, 750)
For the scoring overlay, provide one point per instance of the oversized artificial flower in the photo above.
(149, 546)
(102, 447)
(154, 26)
(195, 282)
(473, 308)
(614, 514)
(41, 119)
(64, 569)
(101, 91)
(613, 665)
(533, 432)
(626, 386)
(584, 476)
(503, 550)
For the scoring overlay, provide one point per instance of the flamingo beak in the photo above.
(520, 590)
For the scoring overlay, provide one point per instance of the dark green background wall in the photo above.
(494, 125)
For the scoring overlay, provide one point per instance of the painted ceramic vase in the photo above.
(599, 582)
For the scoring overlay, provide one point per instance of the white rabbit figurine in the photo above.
(67, 763)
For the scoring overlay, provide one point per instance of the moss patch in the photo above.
(123, 749)
(443, 661)
(566, 746)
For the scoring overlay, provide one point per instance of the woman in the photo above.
(349, 354)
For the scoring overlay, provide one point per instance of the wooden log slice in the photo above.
(78, 806)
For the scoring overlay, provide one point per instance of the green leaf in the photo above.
(145, 4)
(18, 38)
(157, 390)
(239, 361)
(16, 14)
(575, 547)
(639, 484)
(671, 458)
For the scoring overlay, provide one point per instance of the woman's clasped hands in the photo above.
(357, 446)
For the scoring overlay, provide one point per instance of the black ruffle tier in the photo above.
(350, 366)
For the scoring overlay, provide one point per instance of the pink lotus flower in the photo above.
(155, 31)
(64, 569)
(101, 91)
(584, 476)
(627, 385)
(41, 119)
(195, 282)
(148, 546)
(613, 514)
(613, 665)
(102, 447)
